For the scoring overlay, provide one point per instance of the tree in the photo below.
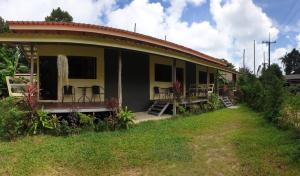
(3, 25)
(291, 62)
(229, 65)
(59, 15)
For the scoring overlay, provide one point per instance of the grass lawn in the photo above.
(224, 142)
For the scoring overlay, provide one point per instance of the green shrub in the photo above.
(64, 128)
(290, 112)
(11, 119)
(101, 125)
(275, 92)
(195, 109)
(86, 121)
(182, 110)
(41, 123)
(125, 118)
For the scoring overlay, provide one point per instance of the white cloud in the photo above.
(236, 22)
(149, 18)
(87, 11)
(298, 41)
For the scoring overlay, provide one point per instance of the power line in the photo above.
(269, 45)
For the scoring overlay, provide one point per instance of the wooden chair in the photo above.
(210, 89)
(68, 90)
(160, 92)
(97, 91)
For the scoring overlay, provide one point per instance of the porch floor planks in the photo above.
(70, 107)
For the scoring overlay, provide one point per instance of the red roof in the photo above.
(35, 26)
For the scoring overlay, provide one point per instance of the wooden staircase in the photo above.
(226, 101)
(158, 108)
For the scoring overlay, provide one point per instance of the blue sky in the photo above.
(221, 28)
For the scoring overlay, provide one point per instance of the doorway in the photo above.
(180, 75)
(48, 77)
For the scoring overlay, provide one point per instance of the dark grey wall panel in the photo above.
(135, 80)
(190, 74)
(111, 73)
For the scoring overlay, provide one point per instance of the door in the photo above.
(135, 80)
(48, 77)
(180, 75)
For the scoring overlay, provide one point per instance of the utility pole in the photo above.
(254, 71)
(244, 59)
(264, 60)
(269, 45)
(134, 27)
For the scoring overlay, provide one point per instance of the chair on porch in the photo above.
(97, 91)
(67, 91)
(158, 93)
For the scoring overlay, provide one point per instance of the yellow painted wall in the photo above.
(76, 50)
(155, 59)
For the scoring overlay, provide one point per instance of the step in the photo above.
(153, 113)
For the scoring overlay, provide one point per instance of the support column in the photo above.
(207, 81)
(174, 80)
(31, 64)
(120, 78)
(217, 81)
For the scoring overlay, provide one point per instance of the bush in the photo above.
(264, 94)
(86, 121)
(101, 125)
(182, 110)
(11, 119)
(125, 118)
(41, 123)
(195, 109)
(64, 128)
(290, 112)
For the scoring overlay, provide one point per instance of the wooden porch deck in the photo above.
(59, 107)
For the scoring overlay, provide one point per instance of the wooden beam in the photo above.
(31, 64)
(174, 80)
(120, 79)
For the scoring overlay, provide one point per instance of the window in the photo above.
(82, 67)
(163, 73)
(202, 77)
(211, 78)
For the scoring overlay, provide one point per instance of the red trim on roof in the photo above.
(27, 26)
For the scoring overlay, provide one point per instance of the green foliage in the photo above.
(59, 15)
(182, 110)
(10, 58)
(125, 118)
(3, 26)
(290, 112)
(291, 62)
(86, 121)
(41, 123)
(195, 109)
(212, 104)
(101, 125)
(264, 94)
(64, 128)
(11, 119)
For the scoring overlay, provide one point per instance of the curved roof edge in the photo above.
(23, 26)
